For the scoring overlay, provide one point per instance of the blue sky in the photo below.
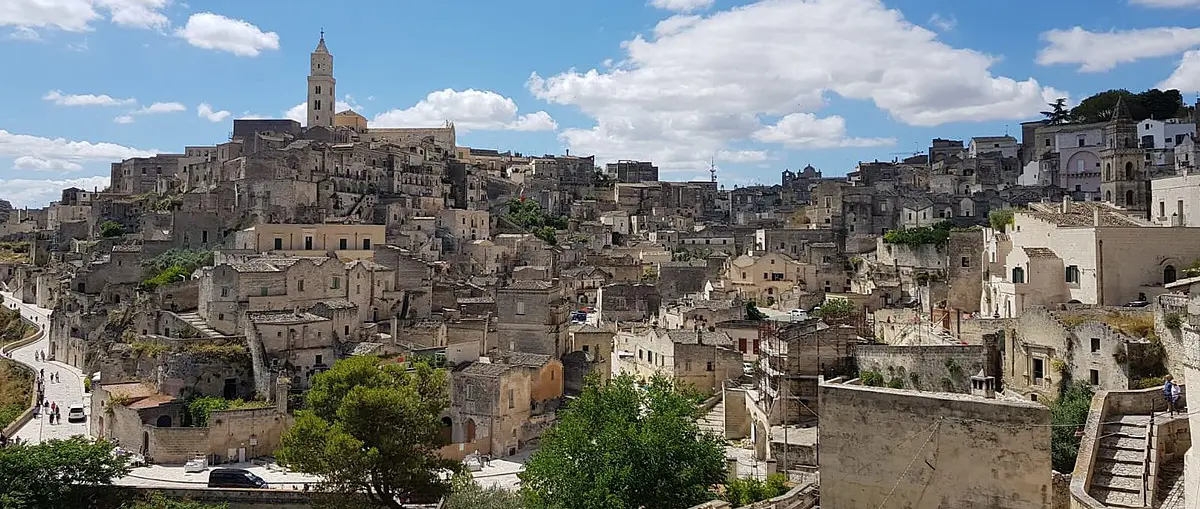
(760, 86)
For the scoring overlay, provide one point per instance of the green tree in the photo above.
(1068, 414)
(748, 490)
(1153, 103)
(111, 228)
(752, 312)
(1058, 113)
(373, 429)
(466, 493)
(999, 219)
(625, 446)
(835, 310)
(57, 473)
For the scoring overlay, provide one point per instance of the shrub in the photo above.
(111, 228)
(1067, 414)
(936, 234)
(1173, 321)
(746, 491)
(871, 378)
(1000, 219)
(1147, 383)
(149, 348)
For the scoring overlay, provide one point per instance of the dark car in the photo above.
(235, 478)
(1137, 304)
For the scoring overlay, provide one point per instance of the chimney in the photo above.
(1096, 216)
(1066, 204)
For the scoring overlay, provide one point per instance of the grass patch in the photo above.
(227, 351)
(149, 348)
(1073, 319)
(16, 386)
(1138, 325)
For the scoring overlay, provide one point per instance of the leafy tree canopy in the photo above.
(57, 473)
(625, 446)
(835, 310)
(752, 312)
(1000, 219)
(1153, 103)
(1069, 410)
(111, 228)
(937, 234)
(156, 500)
(373, 429)
(1058, 113)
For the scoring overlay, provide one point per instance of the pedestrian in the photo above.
(1170, 393)
(42, 372)
(58, 415)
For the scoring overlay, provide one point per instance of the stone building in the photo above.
(591, 352)
(1124, 181)
(1090, 253)
(532, 317)
(628, 302)
(499, 404)
(632, 171)
(899, 448)
(702, 359)
(348, 241)
(792, 359)
(1107, 348)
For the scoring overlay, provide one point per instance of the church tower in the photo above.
(1123, 181)
(321, 96)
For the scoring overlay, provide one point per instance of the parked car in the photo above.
(235, 478)
(75, 413)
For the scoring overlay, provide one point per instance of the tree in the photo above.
(468, 494)
(752, 312)
(111, 228)
(835, 310)
(1000, 219)
(748, 490)
(373, 429)
(1058, 113)
(57, 473)
(1153, 103)
(625, 446)
(1068, 414)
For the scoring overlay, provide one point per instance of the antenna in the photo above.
(712, 168)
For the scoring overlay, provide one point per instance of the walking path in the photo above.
(68, 391)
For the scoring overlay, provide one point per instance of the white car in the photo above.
(75, 413)
(798, 315)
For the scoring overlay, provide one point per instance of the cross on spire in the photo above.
(322, 32)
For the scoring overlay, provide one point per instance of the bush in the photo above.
(1173, 321)
(1147, 383)
(111, 228)
(936, 234)
(174, 265)
(1068, 414)
(871, 378)
(1000, 219)
(746, 491)
(199, 409)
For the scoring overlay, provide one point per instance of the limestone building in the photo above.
(1123, 181)
(322, 100)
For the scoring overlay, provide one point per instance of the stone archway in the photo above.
(164, 421)
(470, 431)
(1169, 275)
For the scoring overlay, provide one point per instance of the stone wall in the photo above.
(929, 368)
(931, 450)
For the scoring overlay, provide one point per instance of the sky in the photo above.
(756, 87)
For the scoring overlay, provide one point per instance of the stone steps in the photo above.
(199, 324)
(1118, 469)
(714, 420)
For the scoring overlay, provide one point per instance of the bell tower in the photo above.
(1123, 180)
(321, 96)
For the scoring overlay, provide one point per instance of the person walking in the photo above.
(1170, 393)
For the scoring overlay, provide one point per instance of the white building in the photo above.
(1159, 134)
(1006, 145)
(1175, 201)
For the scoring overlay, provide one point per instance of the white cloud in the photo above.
(742, 156)
(68, 15)
(677, 98)
(158, 108)
(1101, 51)
(123, 119)
(137, 13)
(39, 193)
(38, 164)
(1166, 3)
(669, 26)
(682, 5)
(805, 130)
(206, 112)
(35, 152)
(943, 23)
(61, 99)
(213, 31)
(1186, 77)
(298, 113)
(77, 15)
(24, 34)
(470, 109)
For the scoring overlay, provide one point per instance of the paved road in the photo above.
(64, 393)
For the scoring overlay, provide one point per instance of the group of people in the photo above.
(1171, 393)
(51, 409)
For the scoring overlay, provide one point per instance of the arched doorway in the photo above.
(1108, 196)
(470, 430)
(447, 430)
(1128, 198)
(1169, 275)
(164, 421)
(1128, 171)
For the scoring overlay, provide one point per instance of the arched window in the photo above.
(1107, 171)
(1128, 198)
(1018, 275)
(1169, 274)
(1129, 171)
(1108, 196)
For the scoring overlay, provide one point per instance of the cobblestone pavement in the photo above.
(64, 393)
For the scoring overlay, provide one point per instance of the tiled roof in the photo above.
(484, 369)
(685, 337)
(1080, 214)
(529, 284)
(284, 317)
(534, 360)
(339, 304)
(1039, 252)
(369, 265)
(136, 248)
(476, 300)
(253, 266)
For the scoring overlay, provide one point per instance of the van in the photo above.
(235, 478)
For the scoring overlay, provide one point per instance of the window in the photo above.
(278, 243)
(220, 316)
(1047, 142)
(318, 105)
(347, 331)
(1094, 376)
(1018, 275)
(318, 89)
(585, 348)
(1079, 166)
(366, 244)
(1081, 141)
(640, 354)
(224, 291)
(966, 261)
(520, 308)
(263, 291)
(318, 360)
(512, 399)
(308, 243)
(650, 356)
(300, 285)
(204, 236)
(343, 244)
(1039, 370)
(335, 283)
(1095, 345)
(742, 345)
(1072, 274)
(709, 366)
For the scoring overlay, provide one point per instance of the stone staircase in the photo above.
(714, 420)
(1120, 462)
(199, 324)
